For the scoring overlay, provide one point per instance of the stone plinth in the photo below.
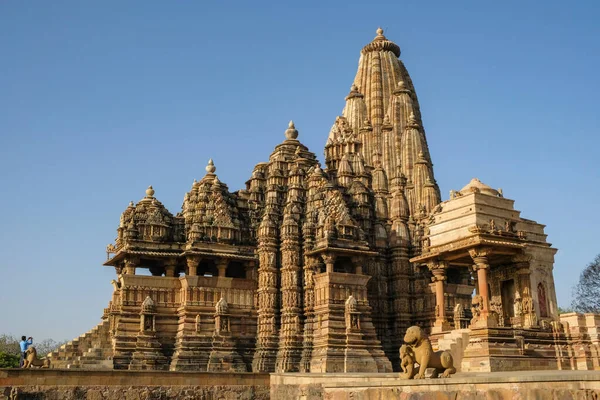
(344, 341)
(122, 384)
(568, 385)
(507, 349)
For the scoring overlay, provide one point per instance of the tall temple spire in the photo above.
(383, 110)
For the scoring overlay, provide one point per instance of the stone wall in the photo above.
(531, 385)
(55, 384)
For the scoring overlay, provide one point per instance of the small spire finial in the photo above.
(210, 168)
(412, 121)
(379, 31)
(150, 191)
(291, 132)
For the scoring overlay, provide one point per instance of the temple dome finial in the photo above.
(210, 168)
(381, 43)
(291, 132)
(150, 192)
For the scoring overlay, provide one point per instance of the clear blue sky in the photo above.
(100, 99)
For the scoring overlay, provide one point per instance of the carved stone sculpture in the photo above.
(407, 362)
(31, 359)
(442, 361)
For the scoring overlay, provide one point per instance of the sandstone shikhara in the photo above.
(322, 268)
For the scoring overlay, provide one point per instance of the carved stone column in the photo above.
(192, 264)
(480, 258)
(357, 262)
(438, 269)
(222, 266)
(329, 260)
(170, 267)
(249, 268)
(131, 262)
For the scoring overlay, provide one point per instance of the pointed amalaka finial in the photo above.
(131, 204)
(210, 168)
(150, 192)
(291, 132)
(379, 31)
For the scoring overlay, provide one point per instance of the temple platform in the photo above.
(528, 385)
(68, 384)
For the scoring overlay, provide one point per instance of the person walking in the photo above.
(24, 343)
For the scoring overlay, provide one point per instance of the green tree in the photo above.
(586, 294)
(9, 360)
(11, 351)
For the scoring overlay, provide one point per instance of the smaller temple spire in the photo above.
(291, 133)
(210, 168)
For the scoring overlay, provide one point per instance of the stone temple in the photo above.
(322, 268)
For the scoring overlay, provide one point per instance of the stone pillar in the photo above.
(438, 269)
(130, 264)
(329, 260)
(249, 268)
(192, 264)
(480, 258)
(170, 267)
(222, 266)
(357, 261)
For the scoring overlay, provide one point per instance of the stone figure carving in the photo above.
(476, 308)
(496, 309)
(31, 359)
(442, 361)
(517, 307)
(407, 362)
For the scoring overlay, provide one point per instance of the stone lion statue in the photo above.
(425, 356)
(31, 359)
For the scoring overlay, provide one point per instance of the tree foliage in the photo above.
(586, 294)
(9, 360)
(9, 345)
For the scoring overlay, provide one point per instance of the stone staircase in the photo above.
(92, 350)
(455, 341)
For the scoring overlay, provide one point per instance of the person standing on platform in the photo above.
(24, 343)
